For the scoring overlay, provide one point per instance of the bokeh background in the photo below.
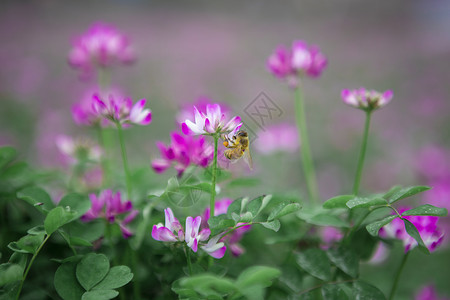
(188, 49)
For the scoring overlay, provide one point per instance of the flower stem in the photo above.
(188, 258)
(362, 154)
(124, 159)
(29, 266)
(397, 276)
(307, 162)
(213, 179)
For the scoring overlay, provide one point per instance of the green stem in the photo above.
(305, 151)
(124, 159)
(362, 154)
(104, 160)
(188, 258)
(213, 179)
(397, 276)
(29, 266)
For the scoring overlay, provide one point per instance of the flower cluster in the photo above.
(78, 150)
(209, 122)
(101, 46)
(280, 137)
(109, 206)
(232, 240)
(172, 231)
(182, 152)
(301, 59)
(187, 113)
(426, 225)
(366, 99)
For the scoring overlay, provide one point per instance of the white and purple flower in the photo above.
(213, 121)
(366, 99)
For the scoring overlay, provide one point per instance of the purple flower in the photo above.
(109, 206)
(301, 59)
(426, 225)
(433, 162)
(428, 293)
(122, 110)
(172, 231)
(280, 137)
(187, 113)
(182, 152)
(366, 99)
(213, 121)
(102, 45)
(77, 150)
(329, 236)
(234, 238)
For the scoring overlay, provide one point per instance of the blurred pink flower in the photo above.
(122, 110)
(172, 231)
(280, 137)
(182, 152)
(78, 150)
(366, 99)
(108, 206)
(380, 255)
(210, 122)
(232, 239)
(329, 236)
(102, 45)
(433, 162)
(428, 293)
(301, 59)
(426, 225)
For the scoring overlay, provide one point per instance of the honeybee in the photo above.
(239, 147)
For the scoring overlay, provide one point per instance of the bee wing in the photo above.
(248, 158)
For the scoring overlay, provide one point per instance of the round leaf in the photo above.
(92, 269)
(66, 283)
(100, 295)
(117, 276)
(315, 262)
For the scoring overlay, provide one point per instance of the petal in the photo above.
(194, 246)
(233, 123)
(204, 234)
(160, 165)
(163, 234)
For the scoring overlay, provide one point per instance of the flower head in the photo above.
(235, 237)
(187, 113)
(172, 231)
(366, 99)
(110, 206)
(182, 152)
(280, 137)
(78, 150)
(426, 225)
(122, 110)
(329, 236)
(428, 293)
(212, 121)
(301, 59)
(102, 45)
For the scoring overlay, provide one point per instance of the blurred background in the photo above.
(189, 49)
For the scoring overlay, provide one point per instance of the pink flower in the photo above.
(277, 138)
(187, 113)
(182, 152)
(213, 121)
(433, 162)
(109, 206)
(172, 231)
(102, 45)
(234, 238)
(301, 59)
(428, 293)
(366, 99)
(122, 110)
(78, 150)
(426, 225)
(329, 236)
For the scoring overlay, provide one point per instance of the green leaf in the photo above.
(414, 233)
(338, 201)
(78, 204)
(283, 209)
(37, 230)
(407, 192)
(426, 210)
(235, 207)
(66, 283)
(202, 186)
(272, 225)
(257, 275)
(208, 284)
(315, 262)
(365, 202)
(255, 205)
(246, 217)
(77, 241)
(327, 220)
(92, 269)
(100, 295)
(7, 155)
(37, 197)
(219, 223)
(345, 259)
(9, 273)
(374, 227)
(57, 217)
(27, 244)
(117, 276)
(333, 292)
(365, 291)
(392, 191)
